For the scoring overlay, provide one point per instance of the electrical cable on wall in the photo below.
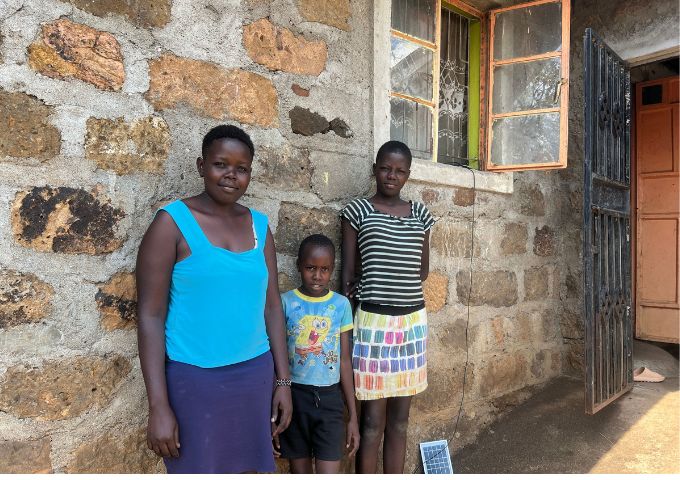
(467, 325)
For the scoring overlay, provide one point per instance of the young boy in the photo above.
(319, 326)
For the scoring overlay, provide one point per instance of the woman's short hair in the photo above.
(227, 131)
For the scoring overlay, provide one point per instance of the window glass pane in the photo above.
(652, 94)
(526, 139)
(415, 17)
(411, 123)
(526, 85)
(411, 72)
(453, 89)
(523, 32)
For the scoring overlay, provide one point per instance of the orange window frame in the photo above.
(563, 109)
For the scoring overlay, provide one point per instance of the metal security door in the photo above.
(606, 225)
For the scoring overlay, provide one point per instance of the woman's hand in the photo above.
(281, 400)
(162, 434)
(353, 433)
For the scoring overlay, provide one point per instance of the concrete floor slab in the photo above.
(551, 433)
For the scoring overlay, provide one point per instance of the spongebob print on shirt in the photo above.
(313, 327)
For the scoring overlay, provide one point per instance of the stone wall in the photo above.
(106, 104)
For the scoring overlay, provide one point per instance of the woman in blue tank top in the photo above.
(211, 330)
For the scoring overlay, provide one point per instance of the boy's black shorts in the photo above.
(317, 426)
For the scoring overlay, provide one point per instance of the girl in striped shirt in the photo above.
(390, 322)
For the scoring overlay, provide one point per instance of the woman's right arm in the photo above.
(155, 262)
(350, 280)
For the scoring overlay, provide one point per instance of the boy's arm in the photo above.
(347, 384)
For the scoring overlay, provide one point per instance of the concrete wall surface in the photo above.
(103, 106)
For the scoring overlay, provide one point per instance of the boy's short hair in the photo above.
(316, 240)
(393, 146)
(227, 131)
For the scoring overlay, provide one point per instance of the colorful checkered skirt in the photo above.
(390, 354)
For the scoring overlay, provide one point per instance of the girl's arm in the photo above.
(276, 330)
(155, 262)
(425, 258)
(347, 384)
(350, 280)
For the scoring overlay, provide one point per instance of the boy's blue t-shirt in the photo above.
(313, 328)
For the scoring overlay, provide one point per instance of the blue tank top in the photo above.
(217, 298)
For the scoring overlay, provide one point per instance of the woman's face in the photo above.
(226, 170)
(391, 173)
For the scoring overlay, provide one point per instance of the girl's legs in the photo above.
(396, 427)
(371, 428)
(325, 466)
(301, 465)
(304, 465)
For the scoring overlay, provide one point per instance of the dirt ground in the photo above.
(550, 433)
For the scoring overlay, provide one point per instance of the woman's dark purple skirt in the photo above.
(223, 416)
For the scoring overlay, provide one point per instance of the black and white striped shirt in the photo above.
(391, 249)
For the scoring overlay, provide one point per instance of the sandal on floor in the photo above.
(644, 374)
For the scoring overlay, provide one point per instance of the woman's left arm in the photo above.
(425, 258)
(276, 330)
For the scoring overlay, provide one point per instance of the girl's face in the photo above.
(226, 170)
(391, 173)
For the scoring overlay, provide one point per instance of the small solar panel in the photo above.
(436, 458)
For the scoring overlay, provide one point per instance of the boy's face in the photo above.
(315, 267)
(226, 169)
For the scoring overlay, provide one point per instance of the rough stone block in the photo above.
(284, 167)
(452, 336)
(28, 456)
(117, 301)
(531, 201)
(26, 131)
(305, 122)
(444, 386)
(573, 285)
(574, 361)
(116, 452)
(299, 91)
(286, 283)
(141, 145)
(435, 290)
(430, 196)
(277, 48)
(544, 242)
(297, 222)
(143, 13)
(24, 298)
(340, 128)
(330, 12)
(572, 326)
(212, 90)
(514, 239)
(68, 49)
(452, 239)
(535, 284)
(61, 389)
(339, 177)
(65, 220)
(496, 289)
(463, 197)
(540, 367)
(502, 374)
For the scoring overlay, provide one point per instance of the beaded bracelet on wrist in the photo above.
(282, 382)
